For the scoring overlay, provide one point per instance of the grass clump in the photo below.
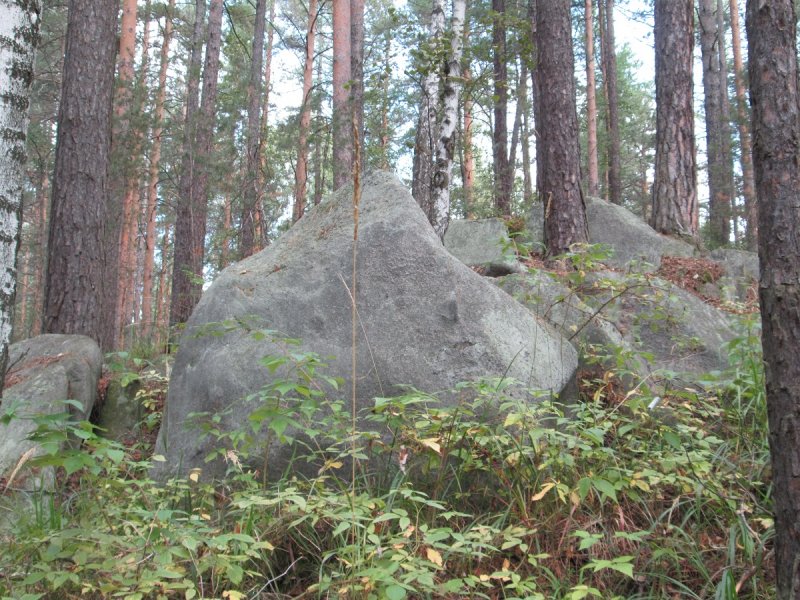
(495, 496)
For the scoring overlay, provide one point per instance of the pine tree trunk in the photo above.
(151, 206)
(502, 169)
(592, 165)
(560, 187)
(82, 247)
(425, 142)
(468, 168)
(19, 33)
(445, 148)
(675, 208)
(385, 81)
(301, 171)
(42, 204)
(342, 76)
(614, 146)
(251, 242)
(267, 83)
(187, 273)
(746, 146)
(357, 75)
(718, 135)
(774, 97)
(124, 159)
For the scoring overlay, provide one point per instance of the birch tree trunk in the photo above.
(253, 192)
(301, 171)
(153, 177)
(445, 147)
(19, 32)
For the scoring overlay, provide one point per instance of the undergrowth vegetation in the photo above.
(497, 495)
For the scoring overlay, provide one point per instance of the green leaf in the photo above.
(395, 592)
(605, 487)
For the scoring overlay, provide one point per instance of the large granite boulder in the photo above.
(483, 244)
(677, 331)
(636, 245)
(44, 371)
(424, 319)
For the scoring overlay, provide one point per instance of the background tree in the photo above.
(717, 115)
(19, 32)
(771, 32)
(80, 290)
(592, 168)
(190, 225)
(675, 207)
(557, 147)
(342, 75)
(502, 168)
(251, 240)
(609, 58)
(745, 144)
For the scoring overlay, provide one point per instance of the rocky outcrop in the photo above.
(483, 244)
(636, 246)
(44, 372)
(424, 319)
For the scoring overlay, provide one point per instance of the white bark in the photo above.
(451, 92)
(19, 29)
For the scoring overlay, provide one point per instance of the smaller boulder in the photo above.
(637, 246)
(484, 245)
(45, 371)
(679, 331)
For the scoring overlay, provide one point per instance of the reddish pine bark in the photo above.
(342, 116)
(151, 207)
(301, 171)
(558, 149)
(80, 291)
(675, 209)
(774, 98)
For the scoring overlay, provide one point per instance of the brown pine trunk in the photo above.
(560, 187)
(357, 75)
(675, 208)
(468, 175)
(385, 80)
(187, 274)
(774, 97)
(180, 299)
(267, 83)
(301, 171)
(124, 142)
(151, 206)
(82, 257)
(718, 136)
(342, 76)
(162, 297)
(610, 60)
(43, 204)
(746, 146)
(227, 221)
(592, 166)
(251, 202)
(502, 168)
